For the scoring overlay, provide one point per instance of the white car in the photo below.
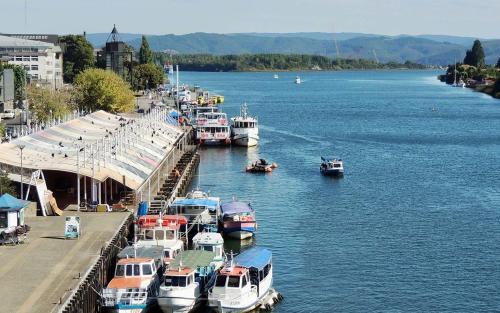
(8, 114)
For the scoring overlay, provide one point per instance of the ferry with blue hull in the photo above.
(245, 283)
(237, 219)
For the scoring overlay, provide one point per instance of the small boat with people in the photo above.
(187, 281)
(298, 81)
(135, 286)
(332, 167)
(245, 283)
(276, 76)
(244, 129)
(261, 166)
(237, 219)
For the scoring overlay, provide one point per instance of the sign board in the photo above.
(72, 227)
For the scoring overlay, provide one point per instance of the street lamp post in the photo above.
(21, 147)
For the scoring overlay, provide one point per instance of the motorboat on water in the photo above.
(244, 129)
(197, 206)
(187, 281)
(134, 287)
(212, 129)
(332, 167)
(211, 242)
(298, 81)
(261, 166)
(245, 283)
(276, 76)
(237, 219)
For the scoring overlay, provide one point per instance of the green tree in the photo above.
(46, 103)
(147, 76)
(98, 89)
(78, 56)
(498, 63)
(145, 54)
(475, 56)
(6, 185)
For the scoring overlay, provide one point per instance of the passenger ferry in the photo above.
(244, 129)
(197, 206)
(134, 288)
(245, 285)
(212, 129)
(237, 219)
(332, 167)
(187, 281)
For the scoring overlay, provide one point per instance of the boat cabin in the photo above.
(134, 267)
(210, 241)
(244, 124)
(179, 277)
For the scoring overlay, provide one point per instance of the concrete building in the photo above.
(6, 89)
(42, 60)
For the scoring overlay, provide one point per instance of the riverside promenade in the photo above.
(38, 275)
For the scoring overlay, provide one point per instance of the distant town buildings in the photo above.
(42, 58)
(6, 89)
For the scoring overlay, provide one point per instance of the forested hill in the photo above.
(273, 62)
(425, 49)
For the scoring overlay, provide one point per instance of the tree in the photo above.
(6, 185)
(475, 56)
(98, 89)
(20, 78)
(78, 56)
(147, 76)
(498, 63)
(145, 54)
(46, 104)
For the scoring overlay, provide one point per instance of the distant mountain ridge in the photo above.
(425, 49)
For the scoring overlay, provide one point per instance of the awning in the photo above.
(235, 207)
(9, 203)
(254, 257)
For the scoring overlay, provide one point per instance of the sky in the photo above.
(387, 17)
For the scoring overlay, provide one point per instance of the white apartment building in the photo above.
(42, 60)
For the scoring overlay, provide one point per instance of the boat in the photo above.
(197, 206)
(244, 129)
(187, 281)
(261, 166)
(460, 83)
(245, 283)
(134, 288)
(297, 80)
(237, 219)
(276, 76)
(211, 242)
(212, 128)
(332, 167)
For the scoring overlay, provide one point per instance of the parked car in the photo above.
(8, 114)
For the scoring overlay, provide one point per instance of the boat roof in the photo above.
(193, 259)
(209, 203)
(234, 270)
(235, 207)
(184, 271)
(134, 260)
(167, 219)
(126, 282)
(257, 257)
(207, 238)
(153, 252)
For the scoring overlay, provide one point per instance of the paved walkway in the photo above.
(36, 274)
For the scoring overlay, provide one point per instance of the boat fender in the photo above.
(268, 307)
(275, 300)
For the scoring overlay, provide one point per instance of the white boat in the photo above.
(212, 242)
(197, 205)
(134, 287)
(244, 129)
(245, 285)
(276, 76)
(187, 281)
(212, 128)
(332, 167)
(297, 80)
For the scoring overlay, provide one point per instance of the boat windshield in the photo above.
(207, 248)
(175, 281)
(221, 281)
(120, 271)
(233, 281)
(336, 165)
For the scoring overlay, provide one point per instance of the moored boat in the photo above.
(187, 280)
(237, 219)
(244, 129)
(197, 205)
(332, 167)
(245, 284)
(212, 129)
(134, 287)
(212, 242)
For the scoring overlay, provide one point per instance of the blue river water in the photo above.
(414, 225)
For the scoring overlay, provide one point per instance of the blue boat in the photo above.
(237, 219)
(197, 205)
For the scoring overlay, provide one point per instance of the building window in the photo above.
(26, 59)
(27, 67)
(34, 67)
(19, 58)
(49, 72)
(34, 58)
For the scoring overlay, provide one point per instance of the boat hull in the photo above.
(245, 141)
(176, 305)
(332, 172)
(239, 230)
